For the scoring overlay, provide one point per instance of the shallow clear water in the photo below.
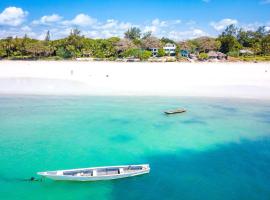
(219, 149)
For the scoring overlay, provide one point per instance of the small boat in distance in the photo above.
(177, 111)
(97, 173)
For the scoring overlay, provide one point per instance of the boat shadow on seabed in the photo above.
(31, 179)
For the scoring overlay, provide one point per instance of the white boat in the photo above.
(177, 111)
(97, 173)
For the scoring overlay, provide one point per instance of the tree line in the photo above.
(135, 44)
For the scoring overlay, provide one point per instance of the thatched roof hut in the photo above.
(213, 55)
(216, 55)
(125, 44)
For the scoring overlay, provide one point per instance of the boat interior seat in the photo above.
(120, 171)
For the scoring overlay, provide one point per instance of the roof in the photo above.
(184, 51)
(216, 54)
(170, 45)
(221, 54)
(213, 54)
(246, 51)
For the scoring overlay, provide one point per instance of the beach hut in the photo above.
(221, 56)
(246, 52)
(184, 53)
(213, 55)
(170, 49)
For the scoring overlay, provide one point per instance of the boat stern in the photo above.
(146, 167)
(50, 173)
(42, 173)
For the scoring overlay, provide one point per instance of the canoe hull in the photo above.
(173, 112)
(74, 178)
(94, 178)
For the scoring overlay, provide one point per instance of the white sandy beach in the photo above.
(232, 80)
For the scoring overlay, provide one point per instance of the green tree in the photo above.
(74, 43)
(124, 45)
(3, 52)
(63, 53)
(230, 30)
(133, 33)
(36, 48)
(100, 48)
(161, 52)
(233, 53)
(245, 38)
(8, 46)
(229, 43)
(206, 44)
(75, 32)
(48, 36)
(261, 32)
(132, 53)
(147, 35)
(137, 53)
(167, 40)
(145, 55)
(256, 46)
(105, 48)
(114, 40)
(266, 45)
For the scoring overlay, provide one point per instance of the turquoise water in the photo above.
(219, 149)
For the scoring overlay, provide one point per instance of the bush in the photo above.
(161, 53)
(63, 53)
(145, 55)
(131, 53)
(22, 58)
(255, 58)
(233, 53)
(52, 58)
(137, 53)
(2, 52)
(203, 56)
(99, 54)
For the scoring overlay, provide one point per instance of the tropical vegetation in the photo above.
(232, 41)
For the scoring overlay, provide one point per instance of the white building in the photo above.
(170, 49)
(154, 51)
(246, 52)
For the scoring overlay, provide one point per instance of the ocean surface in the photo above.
(218, 150)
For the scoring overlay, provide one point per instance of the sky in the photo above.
(175, 19)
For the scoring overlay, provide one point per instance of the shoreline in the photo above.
(142, 61)
(225, 80)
